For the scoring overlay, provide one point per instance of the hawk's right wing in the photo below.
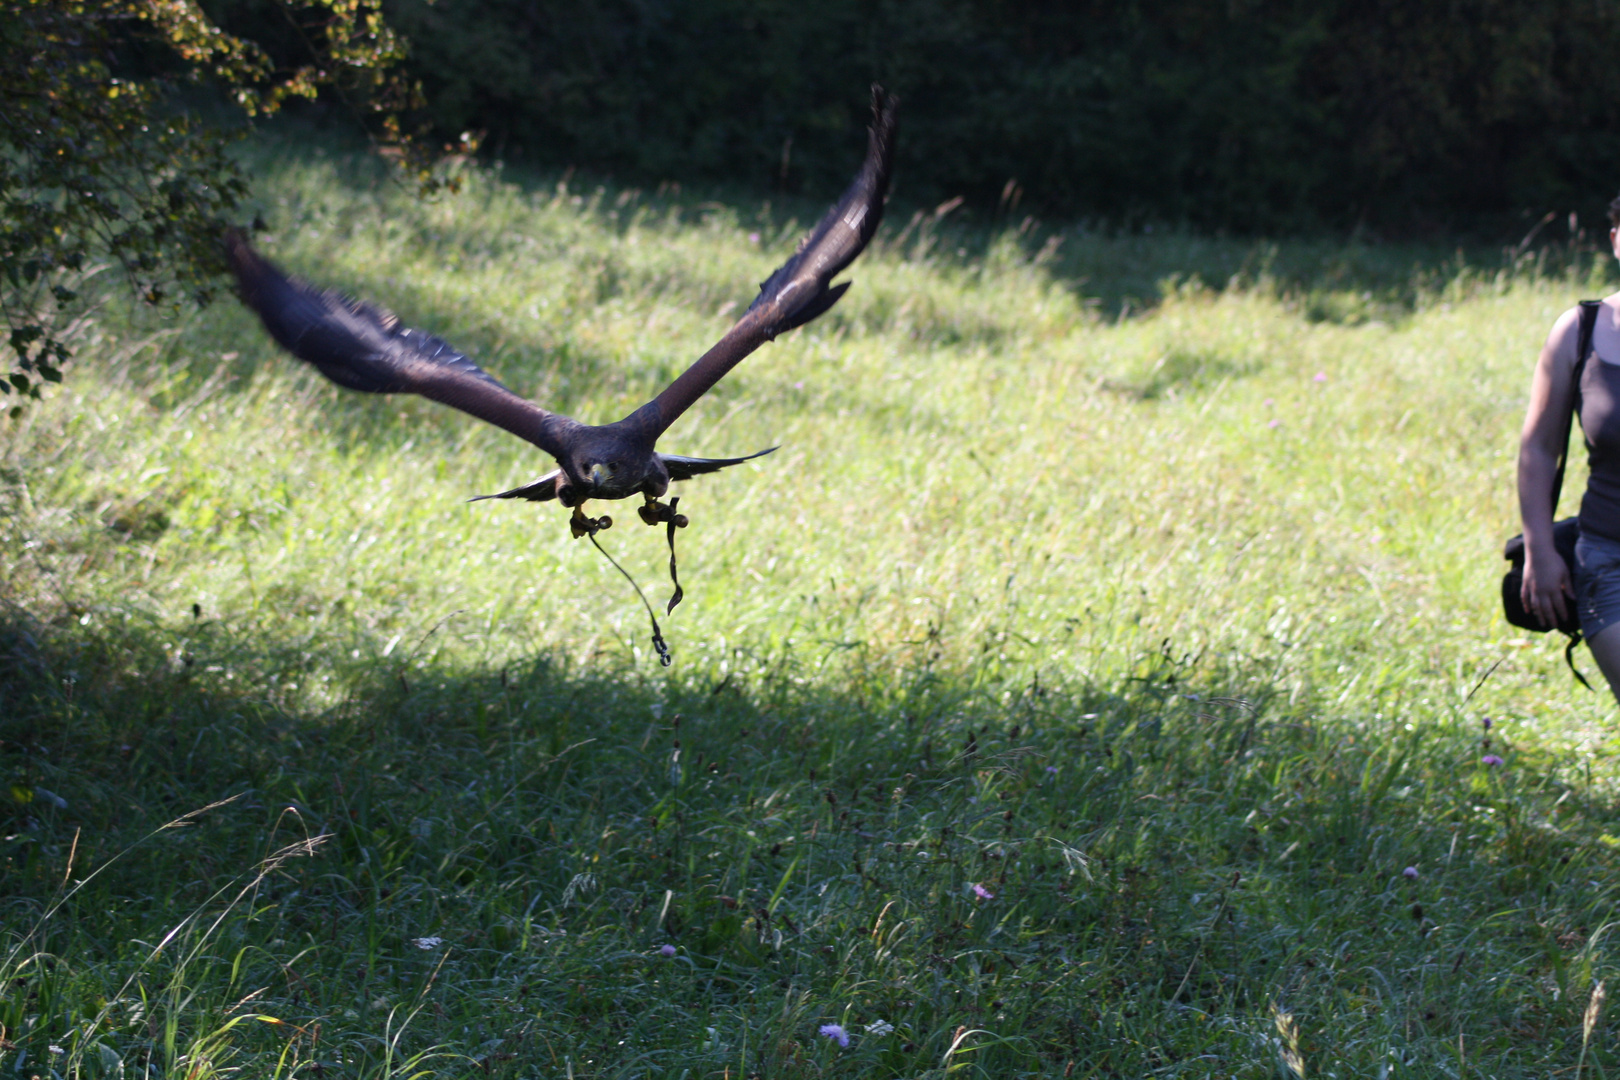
(364, 348)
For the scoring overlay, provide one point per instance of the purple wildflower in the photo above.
(1491, 760)
(1274, 423)
(1486, 723)
(1269, 403)
(982, 893)
(1410, 873)
(836, 1033)
(753, 238)
(1321, 376)
(667, 950)
(1051, 770)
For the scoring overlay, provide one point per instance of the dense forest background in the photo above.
(1244, 115)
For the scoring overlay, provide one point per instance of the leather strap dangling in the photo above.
(676, 597)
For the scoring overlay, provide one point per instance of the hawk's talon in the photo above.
(581, 525)
(654, 512)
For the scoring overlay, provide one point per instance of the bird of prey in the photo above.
(365, 348)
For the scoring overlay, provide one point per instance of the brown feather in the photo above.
(362, 347)
(801, 288)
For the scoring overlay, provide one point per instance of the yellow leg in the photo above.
(654, 512)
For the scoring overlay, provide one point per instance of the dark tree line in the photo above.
(1238, 114)
(1249, 115)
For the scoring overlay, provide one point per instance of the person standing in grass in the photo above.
(1592, 585)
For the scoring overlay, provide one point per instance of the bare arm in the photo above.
(1547, 587)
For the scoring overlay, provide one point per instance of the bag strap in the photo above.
(1583, 346)
(1569, 658)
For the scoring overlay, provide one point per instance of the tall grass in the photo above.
(1173, 634)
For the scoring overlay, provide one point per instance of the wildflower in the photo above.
(1270, 403)
(836, 1033)
(879, 1027)
(1486, 723)
(753, 238)
(1491, 760)
(982, 893)
(1410, 873)
(1051, 770)
(1273, 423)
(799, 385)
(1321, 376)
(427, 942)
(666, 950)
(56, 1049)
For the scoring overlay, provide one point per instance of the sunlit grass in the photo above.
(1162, 630)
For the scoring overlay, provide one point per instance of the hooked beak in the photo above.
(601, 474)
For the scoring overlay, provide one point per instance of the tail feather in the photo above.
(542, 490)
(684, 468)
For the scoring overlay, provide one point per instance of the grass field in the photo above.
(1095, 683)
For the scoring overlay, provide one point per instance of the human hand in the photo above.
(1546, 589)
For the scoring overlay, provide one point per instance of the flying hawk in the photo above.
(365, 348)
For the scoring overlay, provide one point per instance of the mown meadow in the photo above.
(1098, 681)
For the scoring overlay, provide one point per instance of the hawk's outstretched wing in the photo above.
(801, 289)
(364, 348)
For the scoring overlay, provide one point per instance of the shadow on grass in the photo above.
(588, 863)
(143, 710)
(116, 731)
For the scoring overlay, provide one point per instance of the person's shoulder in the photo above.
(1569, 319)
(1565, 334)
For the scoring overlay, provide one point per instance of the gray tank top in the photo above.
(1600, 420)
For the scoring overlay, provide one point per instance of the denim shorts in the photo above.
(1597, 583)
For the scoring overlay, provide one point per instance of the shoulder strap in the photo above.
(1583, 346)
